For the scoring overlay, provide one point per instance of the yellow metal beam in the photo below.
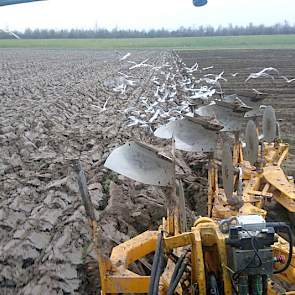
(133, 249)
(277, 178)
(127, 284)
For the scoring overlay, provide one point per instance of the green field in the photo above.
(229, 42)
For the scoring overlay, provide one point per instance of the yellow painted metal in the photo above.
(285, 194)
(198, 266)
(207, 246)
(126, 282)
(177, 241)
(259, 185)
(275, 289)
(211, 236)
(121, 280)
(133, 249)
(206, 242)
(208, 252)
(275, 153)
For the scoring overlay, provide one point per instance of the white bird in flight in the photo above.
(155, 116)
(138, 65)
(125, 56)
(263, 73)
(258, 92)
(133, 121)
(216, 77)
(207, 68)
(194, 68)
(287, 80)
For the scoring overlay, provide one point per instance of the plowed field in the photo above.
(60, 105)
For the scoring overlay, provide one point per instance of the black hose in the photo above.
(177, 267)
(233, 286)
(156, 262)
(173, 284)
(213, 286)
(158, 274)
(280, 226)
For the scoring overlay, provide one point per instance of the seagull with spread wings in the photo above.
(287, 80)
(266, 73)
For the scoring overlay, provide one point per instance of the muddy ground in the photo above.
(60, 105)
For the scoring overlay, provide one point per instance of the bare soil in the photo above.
(59, 105)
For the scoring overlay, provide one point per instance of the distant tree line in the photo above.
(230, 30)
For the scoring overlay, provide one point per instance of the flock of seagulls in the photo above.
(174, 89)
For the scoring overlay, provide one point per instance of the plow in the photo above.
(235, 249)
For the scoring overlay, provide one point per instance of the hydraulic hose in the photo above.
(283, 226)
(156, 263)
(213, 286)
(177, 267)
(158, 274)
(174, 283)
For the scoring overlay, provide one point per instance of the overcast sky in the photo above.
(144, 14)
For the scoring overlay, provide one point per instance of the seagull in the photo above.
(258, 92)
(105, 105)
(185, 82)
(156, 94)
(172, 94)
(207, 68)
(156, 82)
(121, 84)
(262, 73)
(208, 81)
(234, 74)
(155, 116)
(194, 68)
(287, 80)
(138, 65)
(203, 93)
(150, 108)
(125, 56)
(135, 121)
(165, 96)
(216, 77)
(129, 82)
(120, 88)
(167, 76)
